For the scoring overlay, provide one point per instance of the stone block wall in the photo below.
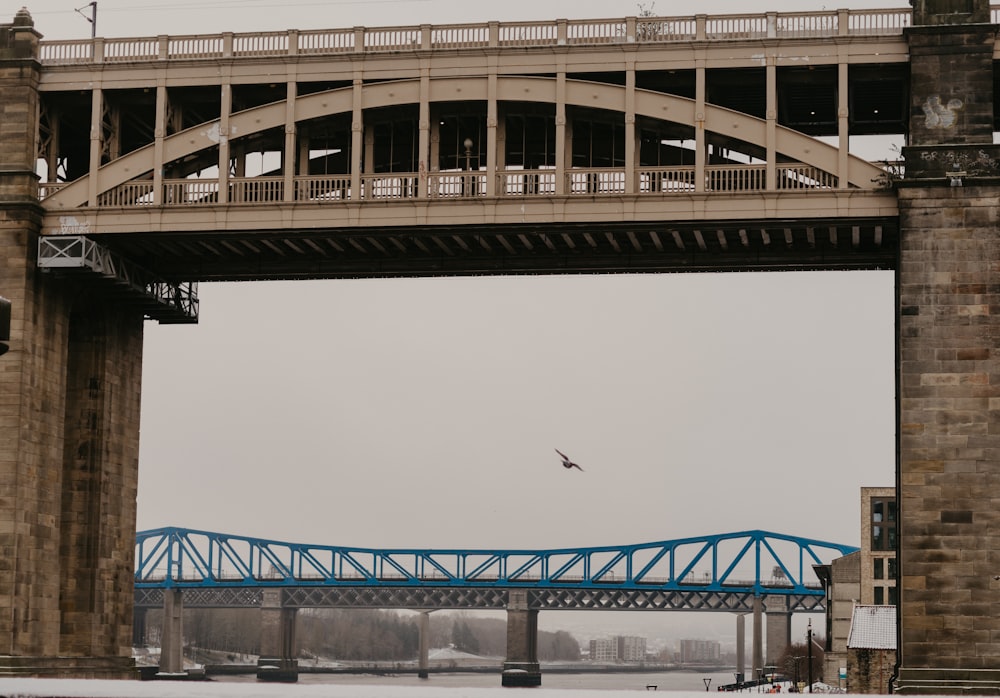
(949, 469)
(869, 671)
(69, 428)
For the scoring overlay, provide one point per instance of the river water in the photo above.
(624, 681)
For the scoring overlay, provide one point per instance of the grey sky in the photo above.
(425, 413)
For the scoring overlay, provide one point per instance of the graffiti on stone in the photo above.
(971, 162)
(939, 115)
(70, 225)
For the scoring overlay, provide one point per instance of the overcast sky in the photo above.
(425, 413)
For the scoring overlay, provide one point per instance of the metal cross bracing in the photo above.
(165, 301)
(485, 599)
(722, 572)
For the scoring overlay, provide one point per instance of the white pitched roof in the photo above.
(873, 628)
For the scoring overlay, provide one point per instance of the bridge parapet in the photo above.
(591, 32)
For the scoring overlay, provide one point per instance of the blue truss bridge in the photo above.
(723, 572)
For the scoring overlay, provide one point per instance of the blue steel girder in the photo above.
(440, 597)
(720, 564)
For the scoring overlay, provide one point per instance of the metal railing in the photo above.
(590, 32)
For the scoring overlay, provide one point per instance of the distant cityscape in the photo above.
(633, 649)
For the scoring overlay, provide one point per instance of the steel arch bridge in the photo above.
(720, 572)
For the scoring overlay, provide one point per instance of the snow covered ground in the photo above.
(80, 688)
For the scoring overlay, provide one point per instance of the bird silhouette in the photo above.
(566, 462)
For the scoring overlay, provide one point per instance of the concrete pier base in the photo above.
(69, 667)
(521, 674)
(277, 670)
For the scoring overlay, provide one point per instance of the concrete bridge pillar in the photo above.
(277, 640)
(172, 640)
(69, 429)
(948, 358)
(741, 659)
(521, 666)
(758, 637)
(139, 626)
(423, 666)
(779, 629)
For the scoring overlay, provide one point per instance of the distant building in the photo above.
(603, 649)
(878, 546)
(700, 652)
(618, 649)
(631, 649)
(842, 581)
(864, 579)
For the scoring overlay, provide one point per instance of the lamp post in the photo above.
(468, 166)
(809, 643)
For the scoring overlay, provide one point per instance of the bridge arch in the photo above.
(726, 123)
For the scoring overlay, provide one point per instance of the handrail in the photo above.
(397, 186)
(585, 32)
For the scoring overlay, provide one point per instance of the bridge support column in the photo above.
(521, 666)
(779, 629)
(741, 641)
(277, 640)
(947, 360)
(424, 628)
(172, 641)
(139, 627)
(758, 637)
(69, 430)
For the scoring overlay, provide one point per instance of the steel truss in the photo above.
(480, 598)
(709, 568)
(165, 301)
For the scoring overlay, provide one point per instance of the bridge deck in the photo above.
(666, 144)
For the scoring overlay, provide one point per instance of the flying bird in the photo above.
(566, 462)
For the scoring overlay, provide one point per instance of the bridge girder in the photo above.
(479, 598)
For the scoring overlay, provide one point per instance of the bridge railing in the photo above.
(526, 182)
(395, 186)
(456, 185)
(641, 30)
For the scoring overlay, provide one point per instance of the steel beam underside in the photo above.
(552, 248)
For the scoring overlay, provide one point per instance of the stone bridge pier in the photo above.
(948, 359)
(69, 429)
(277, 660)
(521, 667)
(779, 629)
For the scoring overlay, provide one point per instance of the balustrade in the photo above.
(889, 22)
(390, 185)
(526, 183)
(719, 179)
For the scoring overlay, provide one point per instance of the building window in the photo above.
(879, 571)
(883, 524)
(879, 595)
(893, 571)
(894, 596)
